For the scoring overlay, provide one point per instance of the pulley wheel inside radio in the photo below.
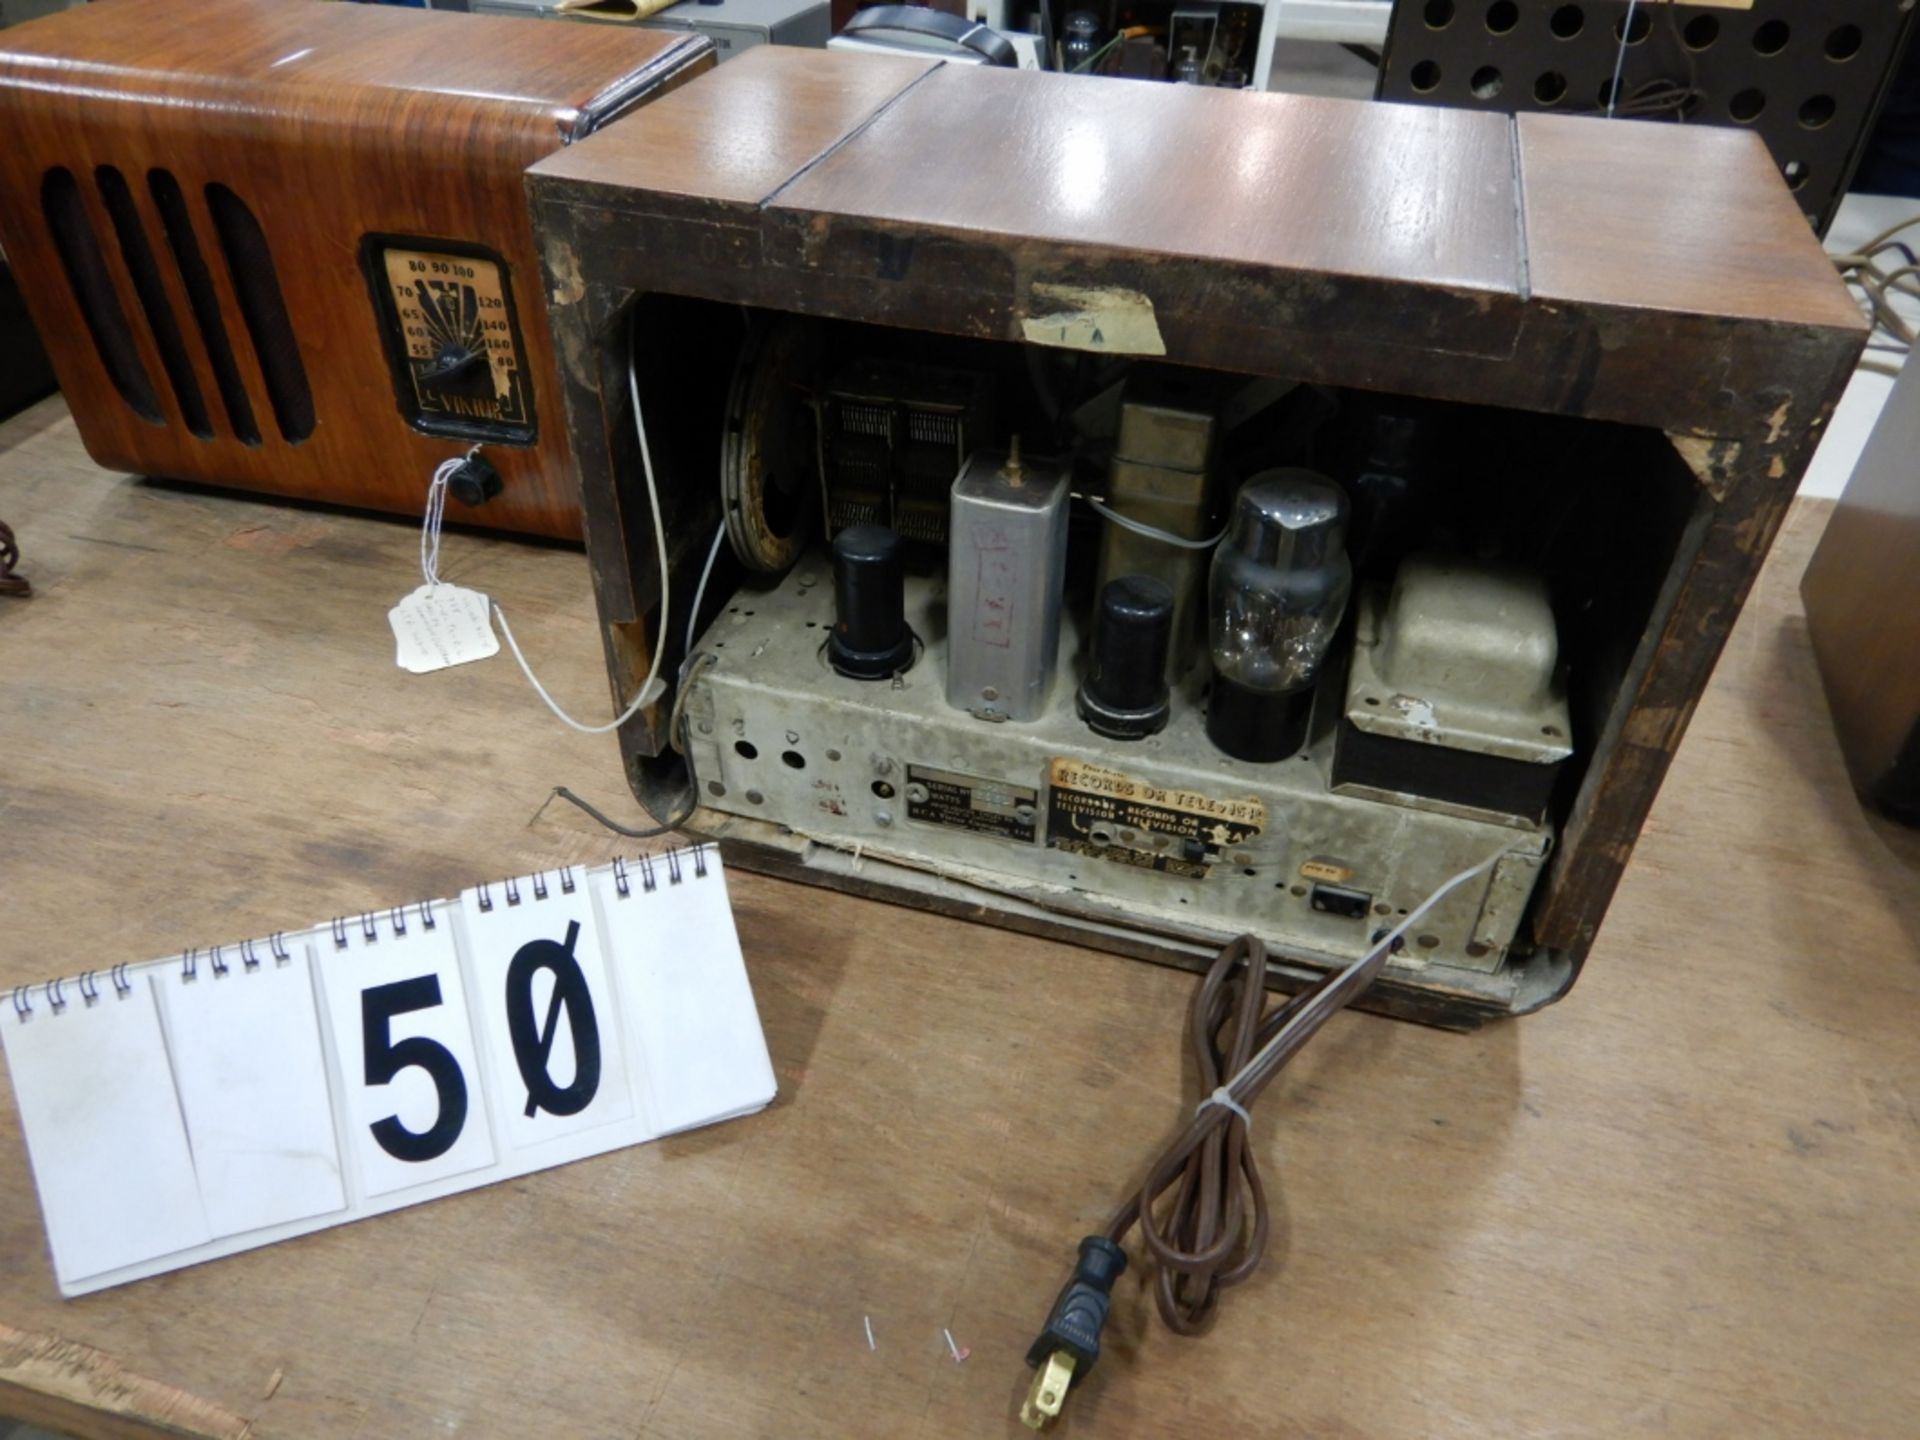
(769, 453)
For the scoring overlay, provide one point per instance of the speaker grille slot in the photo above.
(86, 267)
(201, 296)
(138, 255)
(257, 284)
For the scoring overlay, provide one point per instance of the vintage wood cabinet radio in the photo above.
(283, 245)
(1141, 514)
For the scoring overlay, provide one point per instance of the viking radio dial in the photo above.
(452, 338)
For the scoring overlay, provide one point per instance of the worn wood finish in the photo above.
(717, 156)
(1544, 264)
(714, 163)
(330, 122)
(1624, 215)
(1064, 169)
(1696, 1175)
(1386, 247)
(1862, 593)
(75, 1388)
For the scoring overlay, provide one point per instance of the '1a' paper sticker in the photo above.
(441, 625)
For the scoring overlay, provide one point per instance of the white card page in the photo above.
(683, 985)
(397, 1007)
(244, 1036)
(97, 1105)
(555, 1058)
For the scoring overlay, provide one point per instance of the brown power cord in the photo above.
(1203, 1209)
(10, 583)
(1214, 1232)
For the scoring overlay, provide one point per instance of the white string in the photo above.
(1225, 1101)
(868, 1320)
(1165, 537)
(1620, 60)
(1310, 1016)
(435, 512)
(653, 687)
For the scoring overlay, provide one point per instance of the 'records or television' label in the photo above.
(968, 802)
(1092, 810)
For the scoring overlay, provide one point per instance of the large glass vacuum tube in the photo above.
(1275, 596)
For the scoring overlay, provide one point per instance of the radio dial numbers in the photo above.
(455, 343)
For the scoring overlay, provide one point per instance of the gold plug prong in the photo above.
(1048, 1392)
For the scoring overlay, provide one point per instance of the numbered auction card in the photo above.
(553, 1028)
(189, 1108)
(397, 1003)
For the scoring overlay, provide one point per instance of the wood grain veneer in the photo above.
(329, 122)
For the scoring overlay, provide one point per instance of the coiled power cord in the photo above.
(1202, 1211)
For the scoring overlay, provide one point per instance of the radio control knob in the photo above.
(474, 481)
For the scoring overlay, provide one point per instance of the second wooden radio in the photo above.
(283, 245)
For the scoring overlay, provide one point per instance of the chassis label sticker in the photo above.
(1094, 810)
(968, 802)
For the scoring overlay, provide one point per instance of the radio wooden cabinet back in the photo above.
(1485, 427)
(283, 245)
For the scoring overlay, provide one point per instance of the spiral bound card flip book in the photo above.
(184, 1109)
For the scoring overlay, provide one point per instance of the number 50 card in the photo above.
(184, 1109)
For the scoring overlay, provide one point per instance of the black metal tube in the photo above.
(870, 639)
(1125, 693)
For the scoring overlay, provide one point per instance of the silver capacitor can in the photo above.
(1006, 570)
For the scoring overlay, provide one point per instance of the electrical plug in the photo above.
(1067, 1347)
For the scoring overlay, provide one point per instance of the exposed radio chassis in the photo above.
(1167, 833)
(1644, 415)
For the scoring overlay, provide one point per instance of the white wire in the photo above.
(653, 687)
(1620, 60)
(1165, 537)
(1309, 1016)
(700, 592)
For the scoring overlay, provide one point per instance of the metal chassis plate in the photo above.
(777, 739)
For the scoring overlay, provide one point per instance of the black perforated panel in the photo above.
(1807, 75)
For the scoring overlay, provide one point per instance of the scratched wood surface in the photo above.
(1088, 164)
(1680, 1203)
(1622, 216)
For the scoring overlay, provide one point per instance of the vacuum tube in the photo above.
(1275, 596)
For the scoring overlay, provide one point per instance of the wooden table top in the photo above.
(1678, 1203)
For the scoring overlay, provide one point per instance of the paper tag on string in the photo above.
(441, 625)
